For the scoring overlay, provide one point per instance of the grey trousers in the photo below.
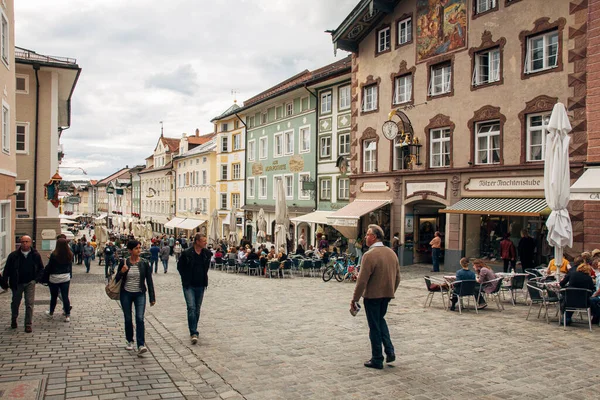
(17, 295)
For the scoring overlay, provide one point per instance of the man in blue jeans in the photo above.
(193, 267)
(377, 282)
(154, 250)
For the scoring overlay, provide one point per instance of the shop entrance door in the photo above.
(425, 226)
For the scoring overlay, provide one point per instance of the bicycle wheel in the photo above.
(328, 274)
(339, 273)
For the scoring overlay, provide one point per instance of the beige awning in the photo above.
(317, 217)
(174, 222)
(498, 206)
(345, 220)
(191, 223)
(587, 187)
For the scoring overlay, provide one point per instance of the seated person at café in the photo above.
(271, 255)
(579, 278)
(252, 255)
(463, 274)
(241, 255)
(485, 275)
(564, 267)
(300, 249)
(218, 253)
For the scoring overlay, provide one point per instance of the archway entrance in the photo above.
(422, 220)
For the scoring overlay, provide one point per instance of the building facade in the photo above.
(470, 87)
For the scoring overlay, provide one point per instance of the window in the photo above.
(487, 67)
(250, 187)
(289, 109)
(236, 124)
(440, 81)
(304, 103)
(343, 189)
(369, 155)
(303, 194)
(482, 6)
(224, 144)
(439, 149)
(537, 129)
(262, 148)
(250, 122)
(325, 102)
(344, 97)
(325, 189)
(162, 205)
(204, 177)
(22, 84)
(383, 40)
(276, 178)
(542, 52)
(197, 161)
(288, 141)
(197, 175)
(204, 205)
(288, 183)
(487, 142)
(304, 140)
(235, 200)
(325, 147)
(21, 198)
(279, 112)
(251, 150)
(369, 98)
(224, 127)
(204, 159)
(5, 127)
(223, 202)
(263, 118)
(236, 170)
(404, 31)
(22, 145)
(344, 144)
(4, 42)
(403, 89)
(262, 187)
(402, 157)
(237, 142)
(224, 172)
(278, 145)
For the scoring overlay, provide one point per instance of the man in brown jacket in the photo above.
(377, 282)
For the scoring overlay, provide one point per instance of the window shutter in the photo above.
(526, 67)
(448, 85)
(475, 78)
(430, 89)
(374, 97)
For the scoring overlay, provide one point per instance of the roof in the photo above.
(152, 169)
(229, 111)
(206, 147)
(200, 139)
(109, 178)
(294, 81)
(30, 56)
(171, 143)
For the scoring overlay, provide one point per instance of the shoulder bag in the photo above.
(113, 288)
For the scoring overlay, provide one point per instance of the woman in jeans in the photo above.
(135, 274)
(60, 271)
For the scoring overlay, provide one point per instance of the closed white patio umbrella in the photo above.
(261, 227)
(557, 182)
(233, 236)
(282, 221)
(213, 231)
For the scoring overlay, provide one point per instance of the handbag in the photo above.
(113, 288)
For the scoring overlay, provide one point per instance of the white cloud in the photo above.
(145, 61)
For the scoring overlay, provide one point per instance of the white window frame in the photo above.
(263, 149)
(302, 103)
(236, 200)
(24, 77)
(404, 31)
(279, 112)
(545, 56)
(5, 230)
(303, 194)
(490, 139)
(263, 189)
(224, 144)
(369, 98)
(224, 172)
(25, 195)
(5, 127)
(326, 101)
(204, 177)
(304, 133)
(369, 165)
(344, 97)
(325, 147)
(384, 40)
(276, 137)
(288, 186)
(440, 81)
(204, 205)
(491, 70)
(289, 109)
(288, 142)
(275, 177)
(325, 188)
(223, 201)
(544, 128)
(484, 5)
(236, 171)
(251, 186)
(224, 127)
(237, 142)
(4, 38)
(403, 89)
(25, 125)
(345, 142)
(263, 118)
(343, 189)
(250, 122)
(440, 142)
(251, 150)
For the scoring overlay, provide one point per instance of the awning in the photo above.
(190, 223)
(101, 216)
(67, 221)
(174, 222)
(587, 186)
(350, 214)
(317, 217)
(498, 206)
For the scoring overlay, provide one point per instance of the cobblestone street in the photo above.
(293, 339)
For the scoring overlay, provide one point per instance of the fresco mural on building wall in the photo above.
(441, 27)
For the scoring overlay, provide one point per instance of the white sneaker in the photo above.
(48, 315)
(67, 319)
(142, 350)
(128, 345)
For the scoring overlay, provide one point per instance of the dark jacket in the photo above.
(190, 276)
(145, 277)
(56, 267)
(526, 248)
(577, 279)
(10, 277)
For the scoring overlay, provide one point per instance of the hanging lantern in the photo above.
(51, 189)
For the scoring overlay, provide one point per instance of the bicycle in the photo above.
(340, 269)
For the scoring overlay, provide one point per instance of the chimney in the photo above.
(197, 132)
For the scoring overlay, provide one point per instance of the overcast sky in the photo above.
(174, 61)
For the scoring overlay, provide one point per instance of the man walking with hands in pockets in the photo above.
(377, 282)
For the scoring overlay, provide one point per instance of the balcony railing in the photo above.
(25, 54)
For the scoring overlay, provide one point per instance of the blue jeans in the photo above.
(165, 264)
(86, 261)
(64, 293)
(595, 305)
(435, 258)
(193, 299)
(375, 309)
(137, 299)
(154, 264)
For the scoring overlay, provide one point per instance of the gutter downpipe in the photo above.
(316, 158)
(36, 68)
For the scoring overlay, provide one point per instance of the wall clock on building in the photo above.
(390, 130)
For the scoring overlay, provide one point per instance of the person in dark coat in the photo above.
(508, 252)
(60, 271)
(579, 277)
(526, 250)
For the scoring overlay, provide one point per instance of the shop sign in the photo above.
(415, 188)
(276, 167)
(374, 187)
(585, 196)
(513, 183)
(342, 222)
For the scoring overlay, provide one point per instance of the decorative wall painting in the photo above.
(441, 27)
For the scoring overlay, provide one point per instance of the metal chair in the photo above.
(253, 266)
(539, 296)
(219, 263)
(495, 293)
(576, 299)
(436, 286)
(231, 264)
(273, 267)
(466, 289)
(307, 265)
(287, 267)
(517, 283)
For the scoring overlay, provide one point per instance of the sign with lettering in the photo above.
(276, 167)
(342, 222)
(374, 187)
(513, 183)
(415, 188)
(594, 196)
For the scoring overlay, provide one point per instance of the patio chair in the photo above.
(533, 272)
(517, 283)
(316, 269)
(242, 267)
(495, 293)
(296, 264)
(307, 265)
(231, 264)
(273, 268)
(287, 267)
(436, 286)
(537, 295)
(219, 263)
(253, 266)
(462, 289)
(576, 300)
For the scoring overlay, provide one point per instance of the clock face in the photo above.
(390, 130)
